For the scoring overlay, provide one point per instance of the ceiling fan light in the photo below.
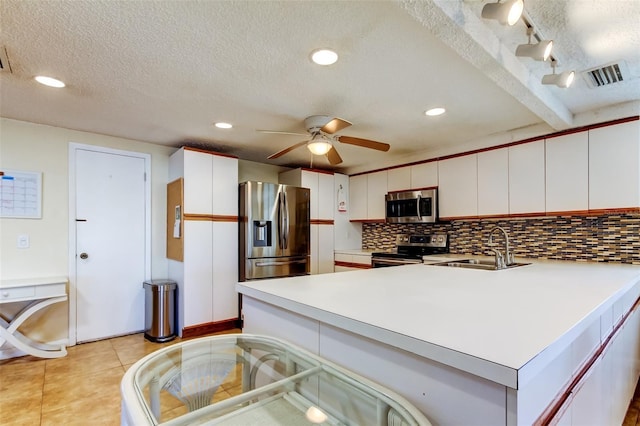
(539, 51)
(507, 13)
(319, 145)
(562, 80)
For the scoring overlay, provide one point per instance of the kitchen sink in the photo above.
(487, 265)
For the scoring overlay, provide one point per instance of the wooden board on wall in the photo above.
(175, 246)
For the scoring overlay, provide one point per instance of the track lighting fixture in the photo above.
(540, 51)
(507, 13)
(319, 145)
(562, 80)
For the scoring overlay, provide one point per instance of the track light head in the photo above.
(507, 13)
(539, 51)
(563, 80)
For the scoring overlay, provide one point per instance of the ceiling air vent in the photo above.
(606, 75)
(4, 60)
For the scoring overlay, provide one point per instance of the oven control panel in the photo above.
(432, 240)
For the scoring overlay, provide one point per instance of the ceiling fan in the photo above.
(322, 129)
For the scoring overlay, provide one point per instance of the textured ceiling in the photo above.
(164, 71)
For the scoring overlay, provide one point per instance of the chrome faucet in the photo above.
(502, 260)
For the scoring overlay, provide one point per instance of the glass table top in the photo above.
(242, 379)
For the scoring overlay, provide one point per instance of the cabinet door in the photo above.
(325, 249)
(198, 182)
(424, 175)
(326, 196)
(197, 291)
(314, 232)
(567, 173)
(526, 178)
(225, 270)
(310, 180)
(493, 182)
(358, 197)
(399, 179)
(458, 186)
(225, 185)
(376, 190)
(614, 166)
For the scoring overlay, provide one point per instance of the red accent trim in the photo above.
(352, 265)
(367, 220)
(219, 154)
(506, 145)
(326, 172)
(210, 217)
(321, 221)
(210, 327)
(556, 406)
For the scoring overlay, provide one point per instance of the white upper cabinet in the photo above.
(424, 175)
(321, 188)
(399, 179)
(458, 186)
(376, 191)
(567, 173)
(526, 178)
(225, 185)
(326, 196)
(198, 183)
(493, 182)
(614, 166)
(358, 197)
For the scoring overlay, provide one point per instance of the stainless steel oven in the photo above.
(420, 206)
(410, 249)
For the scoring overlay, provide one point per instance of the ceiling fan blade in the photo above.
(277, 132)
(333, 156)
(284, 151)
(365, 143)
(335, 125)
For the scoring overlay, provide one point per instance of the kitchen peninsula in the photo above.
(550, 341)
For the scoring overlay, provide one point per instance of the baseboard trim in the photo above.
(210, 327)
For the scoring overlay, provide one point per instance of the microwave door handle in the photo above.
(418, 206)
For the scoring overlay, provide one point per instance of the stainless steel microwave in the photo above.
(420, 206)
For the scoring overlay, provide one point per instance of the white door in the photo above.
(110, 244)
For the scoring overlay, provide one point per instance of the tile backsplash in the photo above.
(606, 238)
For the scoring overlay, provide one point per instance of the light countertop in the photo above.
(490, 323)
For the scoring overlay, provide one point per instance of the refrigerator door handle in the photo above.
(285, 227)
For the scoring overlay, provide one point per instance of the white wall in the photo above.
(250, 170)
(35, 147)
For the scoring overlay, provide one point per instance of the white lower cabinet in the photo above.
(322, 242)
(209, 273)
(351, 261)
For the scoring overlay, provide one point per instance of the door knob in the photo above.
(84, 255)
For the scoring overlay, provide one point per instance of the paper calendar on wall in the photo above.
(20, 194)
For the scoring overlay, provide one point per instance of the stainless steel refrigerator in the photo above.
(274, 230)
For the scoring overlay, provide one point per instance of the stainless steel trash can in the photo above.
(160, 310)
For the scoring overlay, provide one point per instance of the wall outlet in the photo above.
(23, 241)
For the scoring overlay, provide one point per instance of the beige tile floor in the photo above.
(83, 388)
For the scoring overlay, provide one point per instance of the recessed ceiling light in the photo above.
(221, 125)
(49, 81)
(324, 56)
(435, 111)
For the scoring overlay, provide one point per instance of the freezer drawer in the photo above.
(273, 267)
